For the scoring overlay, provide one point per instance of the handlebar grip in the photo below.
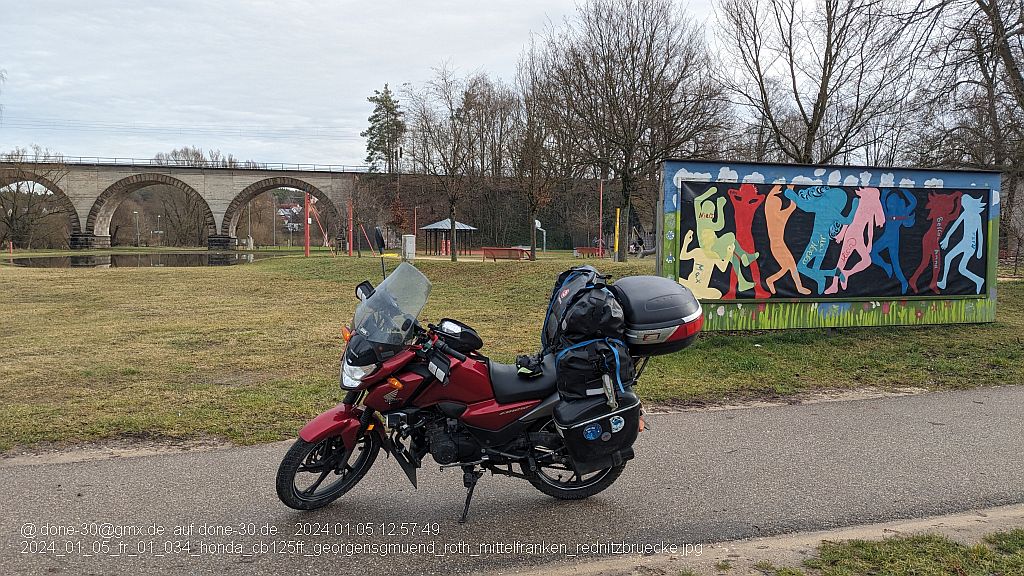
(450, 351)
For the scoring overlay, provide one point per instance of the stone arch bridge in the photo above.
(92, 191)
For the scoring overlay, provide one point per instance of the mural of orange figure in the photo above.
(943, 209)
(704, 263)
(857, 237)
(776, 216)
(745, 202)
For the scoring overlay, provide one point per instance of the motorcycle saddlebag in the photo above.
(662, 316)
(595, 435)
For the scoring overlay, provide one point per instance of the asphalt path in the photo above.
(698, 477)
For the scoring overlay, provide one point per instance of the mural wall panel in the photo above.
(799, 241)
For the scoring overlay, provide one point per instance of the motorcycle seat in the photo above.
(510, 387)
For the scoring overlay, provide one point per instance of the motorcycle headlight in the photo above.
(352, 376)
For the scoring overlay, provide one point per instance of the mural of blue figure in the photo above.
(970, 245)
(899, 206)
(827, 204)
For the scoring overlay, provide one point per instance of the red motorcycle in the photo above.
(414, 391)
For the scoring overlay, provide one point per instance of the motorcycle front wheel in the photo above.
(314, 474)
(560, 481)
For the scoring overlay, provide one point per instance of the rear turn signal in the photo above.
(346, 334)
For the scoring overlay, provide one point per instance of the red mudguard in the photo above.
(341, 420)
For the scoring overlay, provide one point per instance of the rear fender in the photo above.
(342, 420)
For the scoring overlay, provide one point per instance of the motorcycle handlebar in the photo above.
(440, 345)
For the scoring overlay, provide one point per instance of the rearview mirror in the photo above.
(364, 290)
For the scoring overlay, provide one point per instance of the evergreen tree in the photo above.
(387, 126)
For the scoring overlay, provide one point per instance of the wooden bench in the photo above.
(586, 252)
(494, 252)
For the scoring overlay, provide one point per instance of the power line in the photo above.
(294, 132)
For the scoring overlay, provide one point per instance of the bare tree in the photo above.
(629, 84)
(1006, 23)
(443, 138)
(974, 114)
(533, 162)
(828, 78)
(27, 204)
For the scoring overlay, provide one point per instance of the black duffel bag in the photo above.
(581, 368)
(595, 314)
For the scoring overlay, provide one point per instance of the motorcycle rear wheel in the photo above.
(562, 482)
(307, 465)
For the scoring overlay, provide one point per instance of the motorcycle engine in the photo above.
(449, 442)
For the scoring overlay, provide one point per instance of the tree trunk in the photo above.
(452, 246)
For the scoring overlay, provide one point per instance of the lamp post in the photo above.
(136, 213)
(159, 231)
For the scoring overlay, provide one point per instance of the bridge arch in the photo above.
(107, 202)
(234, 212)
(11, 176)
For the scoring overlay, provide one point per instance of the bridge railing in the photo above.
(247, 165)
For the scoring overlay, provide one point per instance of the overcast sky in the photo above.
(272, 81)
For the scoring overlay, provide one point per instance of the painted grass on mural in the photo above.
(778, 315)
(250, 352)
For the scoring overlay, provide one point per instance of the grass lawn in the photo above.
(1001, 553)
(250, 352)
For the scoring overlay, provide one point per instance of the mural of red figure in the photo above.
(943, 209)
(745, 202)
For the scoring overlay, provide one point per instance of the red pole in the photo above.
(350, 226)
(600, 219)
(305, 212)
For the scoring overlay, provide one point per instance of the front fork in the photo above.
(351, 421)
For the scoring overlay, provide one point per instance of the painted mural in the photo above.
(779, 246)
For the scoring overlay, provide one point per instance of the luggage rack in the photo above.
(640, 365)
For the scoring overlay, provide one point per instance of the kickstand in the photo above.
(469, 479)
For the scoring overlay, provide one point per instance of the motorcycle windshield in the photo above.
(388, 315)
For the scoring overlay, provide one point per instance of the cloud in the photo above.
(934, 183)
(888, 180)
(865, 178)
(727, 174)
(754, 178)
(907, 183)
(251, 67)
(685, 175)
(802, 180)
(834, 178)
(851, 180)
